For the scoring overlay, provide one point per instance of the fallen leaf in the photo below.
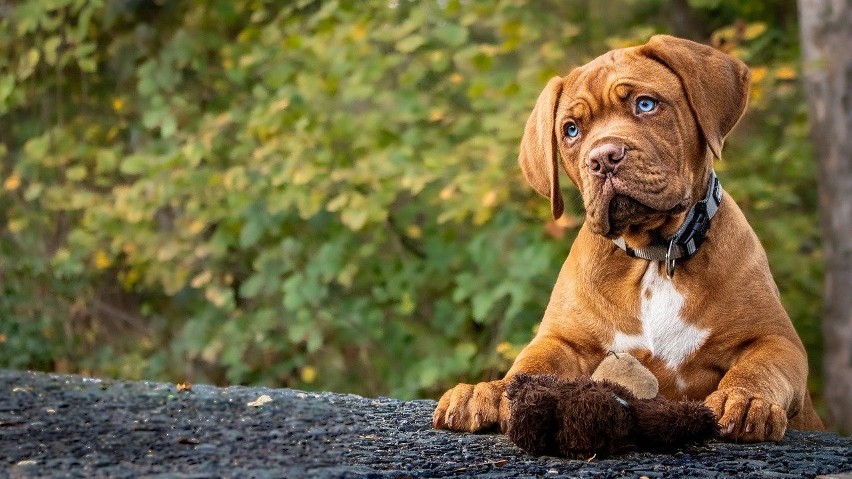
(184, 386)
(260, 401)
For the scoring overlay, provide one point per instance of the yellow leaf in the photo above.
(448, 192)
(196, 227)
(76, 173)
(102, 260)
(12, 183)
(758, 74)
(456, 78)
(302, 175)
(308, 374)
(488, 50)
(490, 199)
(217, 296)
(201, 279)
(184, 386)
(112, 132)
(414, 231)
(754, 30)
(359, 32)
(756, 95)
(279, 105)
(131, 278)
(786, 73)
(504, 347)
(118, 104)
(17, 225)
(338, 202)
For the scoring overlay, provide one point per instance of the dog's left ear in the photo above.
(716, 83)
(538, 147)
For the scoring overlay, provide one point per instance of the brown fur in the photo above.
(583, 418)
(751, 371)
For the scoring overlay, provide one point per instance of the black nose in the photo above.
(605, 158)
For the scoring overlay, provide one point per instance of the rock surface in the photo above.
(69, 426)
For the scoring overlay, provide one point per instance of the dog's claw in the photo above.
(477, 421)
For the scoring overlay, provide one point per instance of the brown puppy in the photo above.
(637, 130)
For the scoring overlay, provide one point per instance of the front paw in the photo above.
(473, 408)
(745, 417)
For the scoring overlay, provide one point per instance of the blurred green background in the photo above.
(324, 194)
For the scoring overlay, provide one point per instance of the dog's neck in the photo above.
(684, 243)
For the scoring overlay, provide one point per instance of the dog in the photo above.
(665, 266)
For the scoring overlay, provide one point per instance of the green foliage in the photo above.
(321, 194)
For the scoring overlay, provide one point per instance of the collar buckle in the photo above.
(670, 260)
(684, 243)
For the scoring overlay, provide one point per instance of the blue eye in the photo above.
(571, 130)
(645, 104)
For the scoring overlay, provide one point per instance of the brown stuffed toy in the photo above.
(585, 418)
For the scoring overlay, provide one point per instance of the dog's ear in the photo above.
(716, 83)
(538, 147)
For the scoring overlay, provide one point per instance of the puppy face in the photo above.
(637, 130)
(629, 141)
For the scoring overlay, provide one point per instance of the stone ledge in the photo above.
(69, 426)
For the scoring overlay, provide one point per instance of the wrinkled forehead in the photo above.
(619, 74)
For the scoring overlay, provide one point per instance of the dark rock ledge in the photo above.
(68, 426)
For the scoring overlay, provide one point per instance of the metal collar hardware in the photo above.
(688, 238)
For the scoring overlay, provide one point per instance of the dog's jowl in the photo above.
(665, 266)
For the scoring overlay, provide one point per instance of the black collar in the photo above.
(686, 240)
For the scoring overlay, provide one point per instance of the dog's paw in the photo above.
(473, 408)
(745, 417)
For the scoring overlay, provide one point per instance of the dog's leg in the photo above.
(484, 406)
(761, 390)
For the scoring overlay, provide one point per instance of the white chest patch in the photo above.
(664, 332)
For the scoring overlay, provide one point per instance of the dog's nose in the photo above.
(605, 158)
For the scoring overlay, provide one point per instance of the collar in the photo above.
(685, 241)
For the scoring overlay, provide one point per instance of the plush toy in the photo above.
(617, 412)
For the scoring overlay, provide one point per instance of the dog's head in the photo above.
(637, 130)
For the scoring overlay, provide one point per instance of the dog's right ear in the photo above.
(538, 147)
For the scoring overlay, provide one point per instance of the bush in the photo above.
(324, 194)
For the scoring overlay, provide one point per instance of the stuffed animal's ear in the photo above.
(538, 157)
(716, 83)
(624, 369)
(666, 425)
